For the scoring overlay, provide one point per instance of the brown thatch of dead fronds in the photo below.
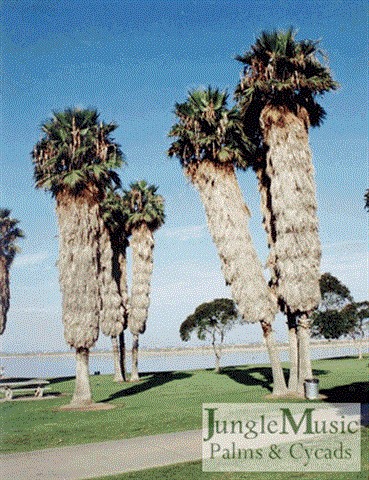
(79, 228)
(142, 244)
(228, 218)
(112, 318)
(288, 201)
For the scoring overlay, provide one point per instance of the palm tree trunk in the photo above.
(112, 315)
(79, 227)
(82, 392)
(134, 372)
(118, 376)
(289, 205)
(142, 244)
(122, 356)
(293, 352)
(4, 292)
(279, 382)
(123, 289)
(228, 219)
(303, 339)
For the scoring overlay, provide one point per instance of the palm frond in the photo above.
(76, 148)
(207, 129)
(280, 70)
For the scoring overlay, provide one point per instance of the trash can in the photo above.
(311, 388)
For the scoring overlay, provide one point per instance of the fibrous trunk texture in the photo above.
(288, 200)
(142, 244)
(4, 292)
(80, 228)
(228, 218)
(112, 316)
(113, 288)
(82, 393)
(118, 346)
(293, 352)
(134, 372)
(118, 376)
(123, 290)
(122, 356)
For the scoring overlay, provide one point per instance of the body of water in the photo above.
(64, 365)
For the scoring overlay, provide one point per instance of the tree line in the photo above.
(267, 131)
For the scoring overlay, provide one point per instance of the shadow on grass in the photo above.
(147, 382)
(357, 392)
(15, 379)
(343, 357)
(261, 376)
(61, 379)
(251, 376)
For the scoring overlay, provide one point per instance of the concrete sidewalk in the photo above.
(80, 462)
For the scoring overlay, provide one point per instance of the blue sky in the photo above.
(133, 60)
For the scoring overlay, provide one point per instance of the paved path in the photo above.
(80, 462)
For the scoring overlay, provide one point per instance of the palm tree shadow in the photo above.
(60, 379)
(262, 376)
(251, 376)
(150, 380)
(357, 392)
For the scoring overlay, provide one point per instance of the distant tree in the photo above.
(9, 233)
(363, 315)
(366, 198)
(338, 315)
(211, 321)
(334, 294)
(331, 324)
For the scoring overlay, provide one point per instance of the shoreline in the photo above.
(192, 350)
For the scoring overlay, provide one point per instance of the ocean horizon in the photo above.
(62, 364)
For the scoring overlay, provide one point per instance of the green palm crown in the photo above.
(208, 130)
(76, 150)
(9, 233)
(282, 71)
(142, 205)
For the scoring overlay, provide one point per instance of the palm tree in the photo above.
(281, 80)
(9, 233)
(144, 211)
(210, 144)
(115, 222)
(74, 161)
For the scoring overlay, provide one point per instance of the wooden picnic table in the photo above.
(36, 384)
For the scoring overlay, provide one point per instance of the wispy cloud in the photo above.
(185, 233)
(31, 259)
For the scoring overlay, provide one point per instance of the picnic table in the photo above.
(34, 384)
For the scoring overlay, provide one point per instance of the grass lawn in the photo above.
(161, 402)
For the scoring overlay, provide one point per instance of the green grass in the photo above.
(160, 402)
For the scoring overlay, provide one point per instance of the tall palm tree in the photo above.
(210, 144)
(9, 233)
(282, 78)
(74, 160)
(144, 210)
(115, 222)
